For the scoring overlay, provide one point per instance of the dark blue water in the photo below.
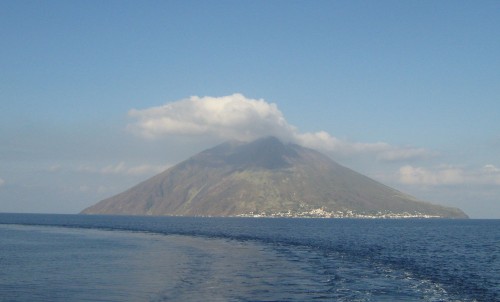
(117, 258)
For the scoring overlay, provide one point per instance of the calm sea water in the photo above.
(117, 258)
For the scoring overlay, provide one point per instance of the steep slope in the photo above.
(264, 177)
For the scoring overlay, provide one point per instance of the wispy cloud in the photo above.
(2, 182)
(238, 117)
(97, 189)
(120, 168)
(124, 169)
(449, 175)
(383, 151)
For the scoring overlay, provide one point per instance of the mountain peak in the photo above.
(265, 153)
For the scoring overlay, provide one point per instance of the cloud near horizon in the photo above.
(449, 175)
(237, 117)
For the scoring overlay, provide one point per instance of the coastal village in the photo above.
(322, 213)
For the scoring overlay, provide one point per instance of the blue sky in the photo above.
(406, 92)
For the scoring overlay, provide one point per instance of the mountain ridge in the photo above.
(265, 177)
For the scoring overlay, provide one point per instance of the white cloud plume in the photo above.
(2, 182)
(449, 175)
(228, 117)
(238, 117)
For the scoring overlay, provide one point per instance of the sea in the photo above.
(129, 258)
